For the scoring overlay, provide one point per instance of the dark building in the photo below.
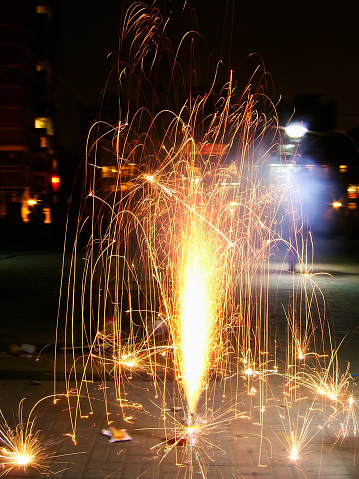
(29, 178)
(317, 114)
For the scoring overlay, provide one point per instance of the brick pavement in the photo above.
(239, 447)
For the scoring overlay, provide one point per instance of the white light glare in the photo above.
(296, 130)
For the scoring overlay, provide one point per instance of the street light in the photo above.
(295, 130)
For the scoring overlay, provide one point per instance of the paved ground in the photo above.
(233, 444)
(238, 447)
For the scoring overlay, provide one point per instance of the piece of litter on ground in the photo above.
(24, 350)
(116, 435)
(28, 348)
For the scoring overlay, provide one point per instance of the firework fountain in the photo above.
(182, 221)
(175, 236)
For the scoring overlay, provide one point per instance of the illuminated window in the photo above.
(126, 186)
(128, 169)
(43, 142)
(25, 212)
(45, 123)
(44, 10)
(109, 172)
(353, 191)
(343, 168)
(43, 65)
(2, 204)
(47, 215)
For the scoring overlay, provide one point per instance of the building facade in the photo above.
(29, 178)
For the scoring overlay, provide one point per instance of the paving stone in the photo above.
(100, 473)
(335, 469)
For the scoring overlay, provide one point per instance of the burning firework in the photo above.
(182, 222)
(22, 447)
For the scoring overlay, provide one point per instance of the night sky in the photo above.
(308, 47)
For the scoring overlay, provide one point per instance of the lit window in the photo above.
(47, 215)
(109, 172)
(126, 186)
(44, 10)
(353, 191)
(40, 122)
(25, 212)
(343, 168)
(43, 142)
(43, 65)
(45, 123)
(2, 204)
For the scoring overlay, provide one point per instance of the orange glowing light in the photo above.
(55, 181)
(23, 446)
(22, 459)
(294, 454)
(197, 320)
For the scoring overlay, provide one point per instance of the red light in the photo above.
(55, 181)
(214, 149)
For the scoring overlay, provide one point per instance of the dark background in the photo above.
(307, 48)
(302, 55)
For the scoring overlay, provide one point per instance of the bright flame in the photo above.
(294, 454)
(22, 459)
(196, 322)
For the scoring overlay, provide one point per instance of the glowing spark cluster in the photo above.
(22, 447)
